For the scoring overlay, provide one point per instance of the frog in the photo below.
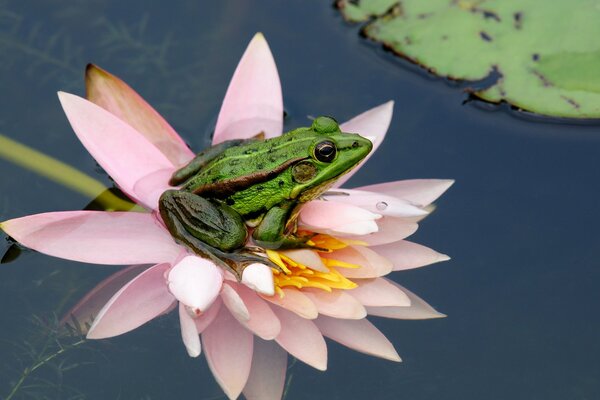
(242, 195)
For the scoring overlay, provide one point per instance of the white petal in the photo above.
(376, 203)
(259, 277)
(196, 282)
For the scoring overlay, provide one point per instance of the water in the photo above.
(520, 223)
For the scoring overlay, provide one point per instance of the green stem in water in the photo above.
(29, 370)
(61, 173)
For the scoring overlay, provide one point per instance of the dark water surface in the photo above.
(521, 222)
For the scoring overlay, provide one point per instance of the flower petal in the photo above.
(97, 237)
(121, 151)
(263, 321)
(371, 264)
(253, 102)
(267, 375)
(259, 277)
(376, 203)
(420, 192)
(379, 292)
(333, 217)
(360, 335)
(82, 315)
(142, 299)
(152, 186)
(189, 333)
(373, 123)
(114, 95)
(301, 338)
(309, 258)
(206, 318)
(295, 301)
(391, 230)
(196, 282)
(418, 309)
(228, 350)
(234, 303)
(337, 304)
(408, 255)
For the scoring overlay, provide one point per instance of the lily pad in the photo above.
(547, 54)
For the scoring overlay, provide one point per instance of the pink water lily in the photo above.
(246, 328)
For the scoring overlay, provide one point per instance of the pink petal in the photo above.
(142, 299)
(206, 318)
(373, 123)
(301, 338)
(228, 349)
(418, 309)
(371, 264)
(196, 282)
(267, 375)
(379, 292)
(337, 304)
(96, 236)
(376, 203)
(189, 333)
(114, 95)
(333, 217)
(123, 152)
(420, 192)
(310, 258)
(295, 301)
(83, 313)
(359, 335)
(263, 321)
(152, 186)
(235, 304)
(391, 230)
(408, 255)
(253, 102)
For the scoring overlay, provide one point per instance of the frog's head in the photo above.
(332, 153)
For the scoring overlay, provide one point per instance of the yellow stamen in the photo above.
(330, 262)
(298, 275)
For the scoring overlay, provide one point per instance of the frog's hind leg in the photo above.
(213, 231)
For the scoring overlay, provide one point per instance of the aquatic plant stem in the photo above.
(29, 370)
(61, 173)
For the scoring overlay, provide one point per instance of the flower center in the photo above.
(301, 276)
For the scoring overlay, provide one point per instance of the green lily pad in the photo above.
(547, 53)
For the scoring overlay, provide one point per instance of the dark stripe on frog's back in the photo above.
(228, 187)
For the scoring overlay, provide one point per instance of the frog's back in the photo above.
(253, 175)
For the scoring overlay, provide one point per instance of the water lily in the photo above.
(245, 327)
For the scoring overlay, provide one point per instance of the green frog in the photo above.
(256, 187)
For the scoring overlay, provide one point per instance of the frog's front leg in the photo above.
(274, 230)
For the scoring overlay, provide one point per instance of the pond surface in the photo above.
(521, 222)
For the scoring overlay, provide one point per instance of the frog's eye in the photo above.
(325, 151)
